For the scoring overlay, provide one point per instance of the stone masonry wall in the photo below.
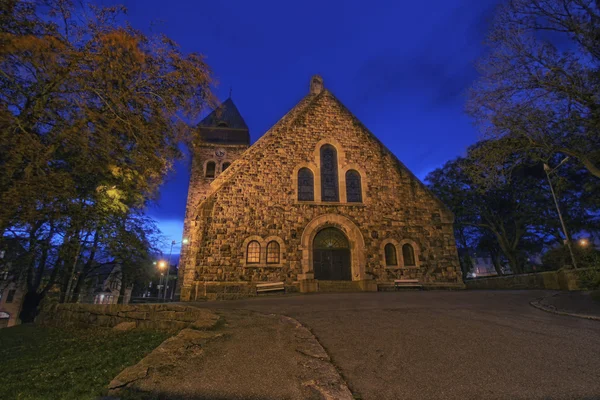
(170, 317)
(550, 280)
(256, 197)
(199, 188)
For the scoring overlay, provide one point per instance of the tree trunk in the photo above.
(466, 262)
(590, 166)
(77, 289)
(497, 265)
(30, 307)
(513, 259)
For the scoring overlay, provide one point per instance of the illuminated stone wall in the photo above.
(257, 198)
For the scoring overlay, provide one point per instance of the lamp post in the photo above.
(161, 265)
(184, 241)
(548, 171)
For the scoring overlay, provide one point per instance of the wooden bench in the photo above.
(407, 283)
(270, 287)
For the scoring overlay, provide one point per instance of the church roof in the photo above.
(225, 115)
(317, 96)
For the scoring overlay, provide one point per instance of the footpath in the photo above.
(247, 355)
(574, 304)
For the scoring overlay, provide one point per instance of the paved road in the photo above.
(447, 345)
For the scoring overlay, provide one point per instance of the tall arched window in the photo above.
(353, 187)
(273, 252)
(329, 174)
(306, 185)
(408, 255)
(253, 253)
(225, 166)
(390, 255)
(210, 169)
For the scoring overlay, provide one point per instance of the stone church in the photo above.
(318, 202)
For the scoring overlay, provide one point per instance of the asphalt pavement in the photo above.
(447, 344)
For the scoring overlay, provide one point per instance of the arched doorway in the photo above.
(331, 255)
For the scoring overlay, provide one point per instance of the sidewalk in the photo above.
(250, 356)
(575, 304)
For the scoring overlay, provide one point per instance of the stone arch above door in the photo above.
(349, 228)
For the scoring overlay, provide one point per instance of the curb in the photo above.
(551, 309)
(326, 380)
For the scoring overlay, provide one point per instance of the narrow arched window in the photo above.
(273, 252)
(306, 185)
(390, 255)
(253, 253)
(210, 169)
(329, 174)
(408, 255)
(353, 187)
(225, 166)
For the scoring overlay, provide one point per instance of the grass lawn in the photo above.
(58, 363)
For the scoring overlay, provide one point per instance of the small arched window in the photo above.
(306, 185)
(273, 252)
(329, 174)
(225, 166)
(408, 255)
(210, 169)
(390, 255)
(253, 253)
(353, 187)
(222, 124)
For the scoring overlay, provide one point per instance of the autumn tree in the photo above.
(92, 113)
(539, 89)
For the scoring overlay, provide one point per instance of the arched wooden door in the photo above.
(331, 256)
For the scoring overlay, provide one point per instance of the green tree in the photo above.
(508, 207)
(92, 113)
(539, 89)
(511, 211)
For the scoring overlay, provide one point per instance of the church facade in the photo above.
(318, 202)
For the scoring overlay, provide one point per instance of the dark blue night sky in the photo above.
(402, 67)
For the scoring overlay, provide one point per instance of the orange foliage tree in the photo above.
(92, 113)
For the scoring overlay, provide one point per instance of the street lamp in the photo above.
(548, 171)
(184, 241)
(583, 242)
(161, 266)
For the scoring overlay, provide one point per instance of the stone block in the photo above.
(308, 286)
(162, 315)
(125, 326)
(140, 315)
(186, 316)
(368, 285)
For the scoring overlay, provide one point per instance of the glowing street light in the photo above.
(162, 264)
(183, 241)
(583, 242)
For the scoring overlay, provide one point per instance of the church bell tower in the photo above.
(223, 137)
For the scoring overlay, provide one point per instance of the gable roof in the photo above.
(288, 121)
(226, 113)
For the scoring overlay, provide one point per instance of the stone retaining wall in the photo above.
(170, 317)
(550, 280)
(228, 290)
